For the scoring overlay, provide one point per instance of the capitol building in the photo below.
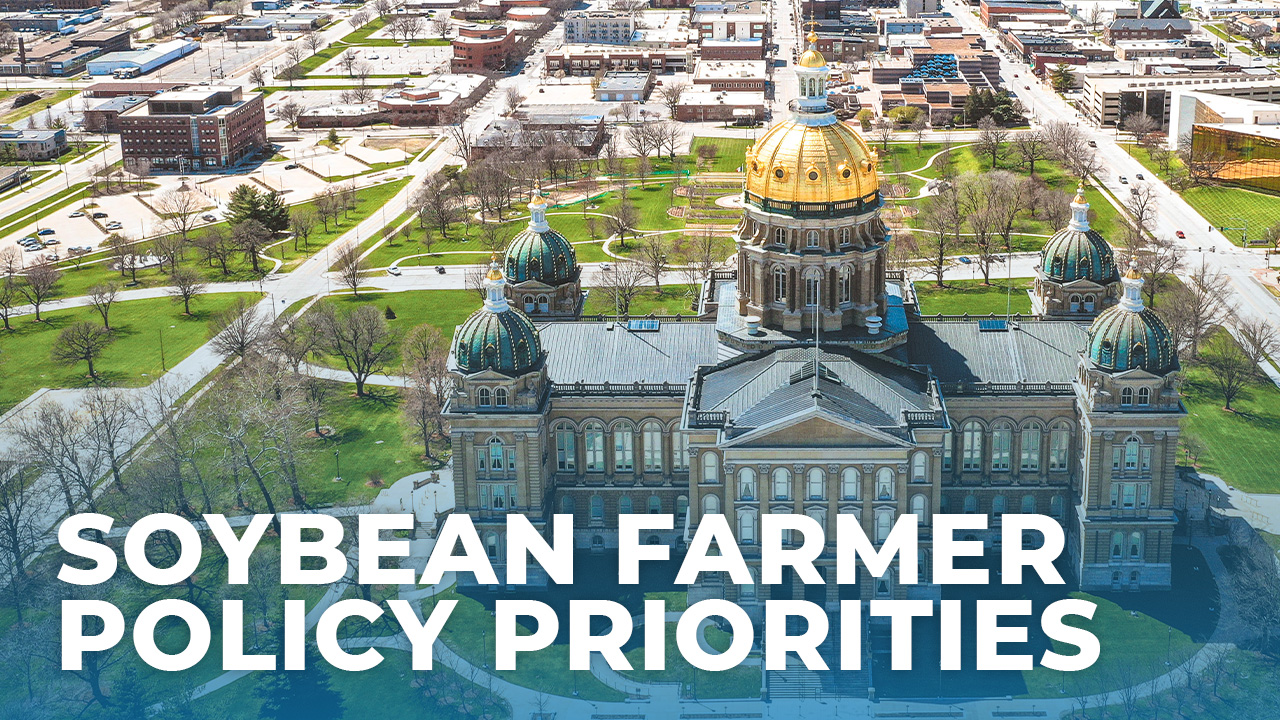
(811, 385)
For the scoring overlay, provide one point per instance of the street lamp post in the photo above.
(337, 464)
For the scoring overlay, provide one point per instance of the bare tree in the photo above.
(425, 353)
(653, 255)
(1196, 308)
(670, 95)
(1227, 364)
(350, 267)
(10, 261)
(440, 25)
(169, 249)
(250, 237)
(1141, 126)
(238, 331)
(623, 220)
(992, 139)
(359, 337)
(288, 111)
(102, 296)
(942, 219)
(258, 76)
(1142, 205)
(302, 222)
(179, 210)
(81, 342)
(622, 283)
(214, 243)
(23, 504)
(1255, 586)
(39, 285)
(9, 297)
(1159, 260)
(883, 130)
(918, 127)
(1031, 147)
(513, 98)
(186, 284)
(313, 40)
(1258, 339)
(111, 416)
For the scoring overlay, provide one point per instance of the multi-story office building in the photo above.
(204, 128)
(603, 27)
(1109, 99)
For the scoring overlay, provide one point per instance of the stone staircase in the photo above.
(799, 682)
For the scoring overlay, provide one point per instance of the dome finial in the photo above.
(1079, 211)
(495, 296)
(1079, 199)
(1132, 282)
(538, 213)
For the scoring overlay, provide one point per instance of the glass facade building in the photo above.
(1249, 160)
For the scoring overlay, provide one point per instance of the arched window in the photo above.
(884, 523)
(484, 397)
(1056, 505)
(1059, 445)
(710, 505)
(710, 467)
(919, 467)
(1030, 449)
(1075, 303)
(624, 460)
(1131, 446)
(1028, 504)
(779, 285)
(884, 483)
(1144, 396)
(1126, 396)
(566, 505)
(816, 487)
(747, 532)
(593, 446)
(682, 507)
(651, 435)
(972, 447)
(530, 306)
(811, 239)
(497, 456)
(818, 514)
(920, 506)
(850, 483)
(779, 236)
(597, 508)
(624, 505)
(845, 235)
(655, 505)
(846, 284)
(680, 450)
(1088, 303)
(1001, 445)
(543, 303)
(1135, 545)
(1117, 545)
(500, 397)
(566, 452)
(811, 290)
(970, 504)
(746, 484)
(781, 484)
(998, 505)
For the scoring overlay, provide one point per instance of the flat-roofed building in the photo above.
(745, 49)
(1146, 29)
(104, 117)
(204, 128)
(587, 60)
(730, 25)
(34, 144)
(698, 105)
(624, 86)
(1108, 99)
(481, 47)
(598, 27)
(732, 75)
(257, 29)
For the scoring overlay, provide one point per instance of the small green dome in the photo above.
(539, 253)
(497, 337)
(506, 342)
(1078, 252)
(545, 257)
(1130, 336)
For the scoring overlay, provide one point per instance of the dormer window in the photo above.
(484, 398)
(500, 397)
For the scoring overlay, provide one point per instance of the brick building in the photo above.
(481, 47)
(205, 128)
(730, 76)
(1146, 29)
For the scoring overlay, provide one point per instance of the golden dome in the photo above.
(804, 162)
(811, 58)
(494, 272)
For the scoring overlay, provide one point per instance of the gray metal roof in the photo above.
(757, 390)
(1030, 351)
(590, 352)
(1150, 24)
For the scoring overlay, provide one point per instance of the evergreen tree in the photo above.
(1062, 78)
(130, 697)
(292, 694)
(274, 213)
(244, 204)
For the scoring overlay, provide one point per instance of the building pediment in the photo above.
(816, 427)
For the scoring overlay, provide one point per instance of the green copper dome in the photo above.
(539, 253)
(497, 337)
(1078, 252)
(1130, 337)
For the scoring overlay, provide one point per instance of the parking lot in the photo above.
(216, 59)
(394, 60)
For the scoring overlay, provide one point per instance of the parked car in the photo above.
(1139, 176)
(52, 241)
(76, 214)
(1124, 180)
(208, 217)
(46, 231)
(114, 225)
(99, 215)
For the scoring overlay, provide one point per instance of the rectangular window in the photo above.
(1115, 495)
(1117, 454)
(1030, 459)
(1130, 495)
(622, 456)
(566, 459)
(482, 460)
(1059, 442)
(1144, 495)
(1146, 459)
(594, 447)
(1001, 439)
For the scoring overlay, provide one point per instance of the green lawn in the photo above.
(444, 309)
(739, 682)
(1241, 447)
(470, 633)
(1272, 540)
(1235, 208)
(730, 153)
(667, 300)
(1247, 688)
(46, 207)
(26, 111)
(1137, 644)
(971, 296)
(133, 359)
